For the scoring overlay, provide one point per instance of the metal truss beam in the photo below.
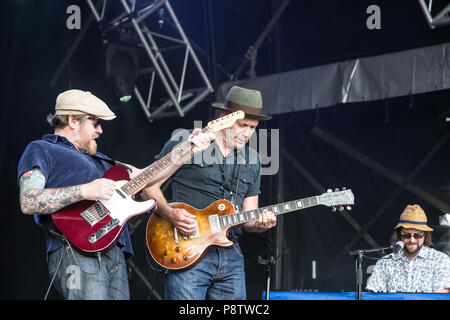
(442, 18)
(177, 100)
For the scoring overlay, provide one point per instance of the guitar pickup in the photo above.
(195, 233)
(214, 223)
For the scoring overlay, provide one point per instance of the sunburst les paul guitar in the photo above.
(176, 252)
(93, 226)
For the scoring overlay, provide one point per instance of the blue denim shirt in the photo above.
(209, 177)
(64, 165)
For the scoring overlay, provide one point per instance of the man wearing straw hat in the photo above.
(416, 268)
(220, 273)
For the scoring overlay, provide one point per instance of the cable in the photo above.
(156, 270)
(54, 276)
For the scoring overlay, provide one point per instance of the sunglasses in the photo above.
(416, 236)
(97, 121)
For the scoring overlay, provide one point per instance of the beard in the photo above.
(90, 147)
(413, 249)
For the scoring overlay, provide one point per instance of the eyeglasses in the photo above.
(416, 236)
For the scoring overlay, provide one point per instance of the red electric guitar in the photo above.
(93, 226)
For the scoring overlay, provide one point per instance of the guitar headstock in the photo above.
(225, 121)
(338, 199)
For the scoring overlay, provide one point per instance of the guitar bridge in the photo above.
(103, 230)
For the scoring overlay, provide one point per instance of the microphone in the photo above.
(398, 246)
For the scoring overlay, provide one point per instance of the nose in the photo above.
(99, 129)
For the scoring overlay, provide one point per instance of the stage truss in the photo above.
(441, 18)
(161, 79)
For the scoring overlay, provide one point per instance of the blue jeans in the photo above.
(80, 277)
(219, 275)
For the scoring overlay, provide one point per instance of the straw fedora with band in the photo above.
(413, 217)
(247, 100)
(82, 102)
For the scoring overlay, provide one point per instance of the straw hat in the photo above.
(82, 102)
(413, 217)
(247, 100)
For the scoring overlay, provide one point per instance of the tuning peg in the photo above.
(348, 208)
(329, 191)
(337, 189)
(341, 208)
(344, 188)
(333, 209)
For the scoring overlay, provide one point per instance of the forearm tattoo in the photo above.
(34, 198)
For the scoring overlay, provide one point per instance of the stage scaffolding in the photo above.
(441, 15)
(176, 99)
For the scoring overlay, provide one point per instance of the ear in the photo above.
(73, 122)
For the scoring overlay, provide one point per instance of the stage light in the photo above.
(122, 69)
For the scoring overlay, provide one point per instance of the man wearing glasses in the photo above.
(64, 168)
(416, 268)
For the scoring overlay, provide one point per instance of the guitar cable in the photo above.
(66, 242)
(54, 276)
(157, 271)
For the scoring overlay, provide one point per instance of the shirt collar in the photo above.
(55, 138)
(423, 253)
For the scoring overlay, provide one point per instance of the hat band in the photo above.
(413, 222)
(248, 110)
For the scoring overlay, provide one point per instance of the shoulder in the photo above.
(435, 254)
(36, 148)
(178, 136)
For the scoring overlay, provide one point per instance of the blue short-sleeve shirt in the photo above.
(209, 177)
(64, 165)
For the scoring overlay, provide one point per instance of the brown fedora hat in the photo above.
(247, 100)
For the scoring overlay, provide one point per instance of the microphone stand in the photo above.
(359, 273)
(267, 263)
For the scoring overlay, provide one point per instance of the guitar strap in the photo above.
(233, 196)
(113, 162)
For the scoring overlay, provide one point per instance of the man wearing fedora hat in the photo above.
(61, 169)
(234, 175)
(417, 267)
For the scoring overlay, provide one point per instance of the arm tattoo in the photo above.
(34, 198)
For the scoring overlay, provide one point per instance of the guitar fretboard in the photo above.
(285, 207)
(178, 154)
(141, 180)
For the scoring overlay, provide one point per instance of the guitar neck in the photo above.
(179, 153)
(278, 209)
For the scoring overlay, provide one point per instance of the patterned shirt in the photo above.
(428, 271)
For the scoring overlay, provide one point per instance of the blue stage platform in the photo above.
(292, 295)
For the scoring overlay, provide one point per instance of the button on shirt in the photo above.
(428, 271)
(64, 165)
(209, 176)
